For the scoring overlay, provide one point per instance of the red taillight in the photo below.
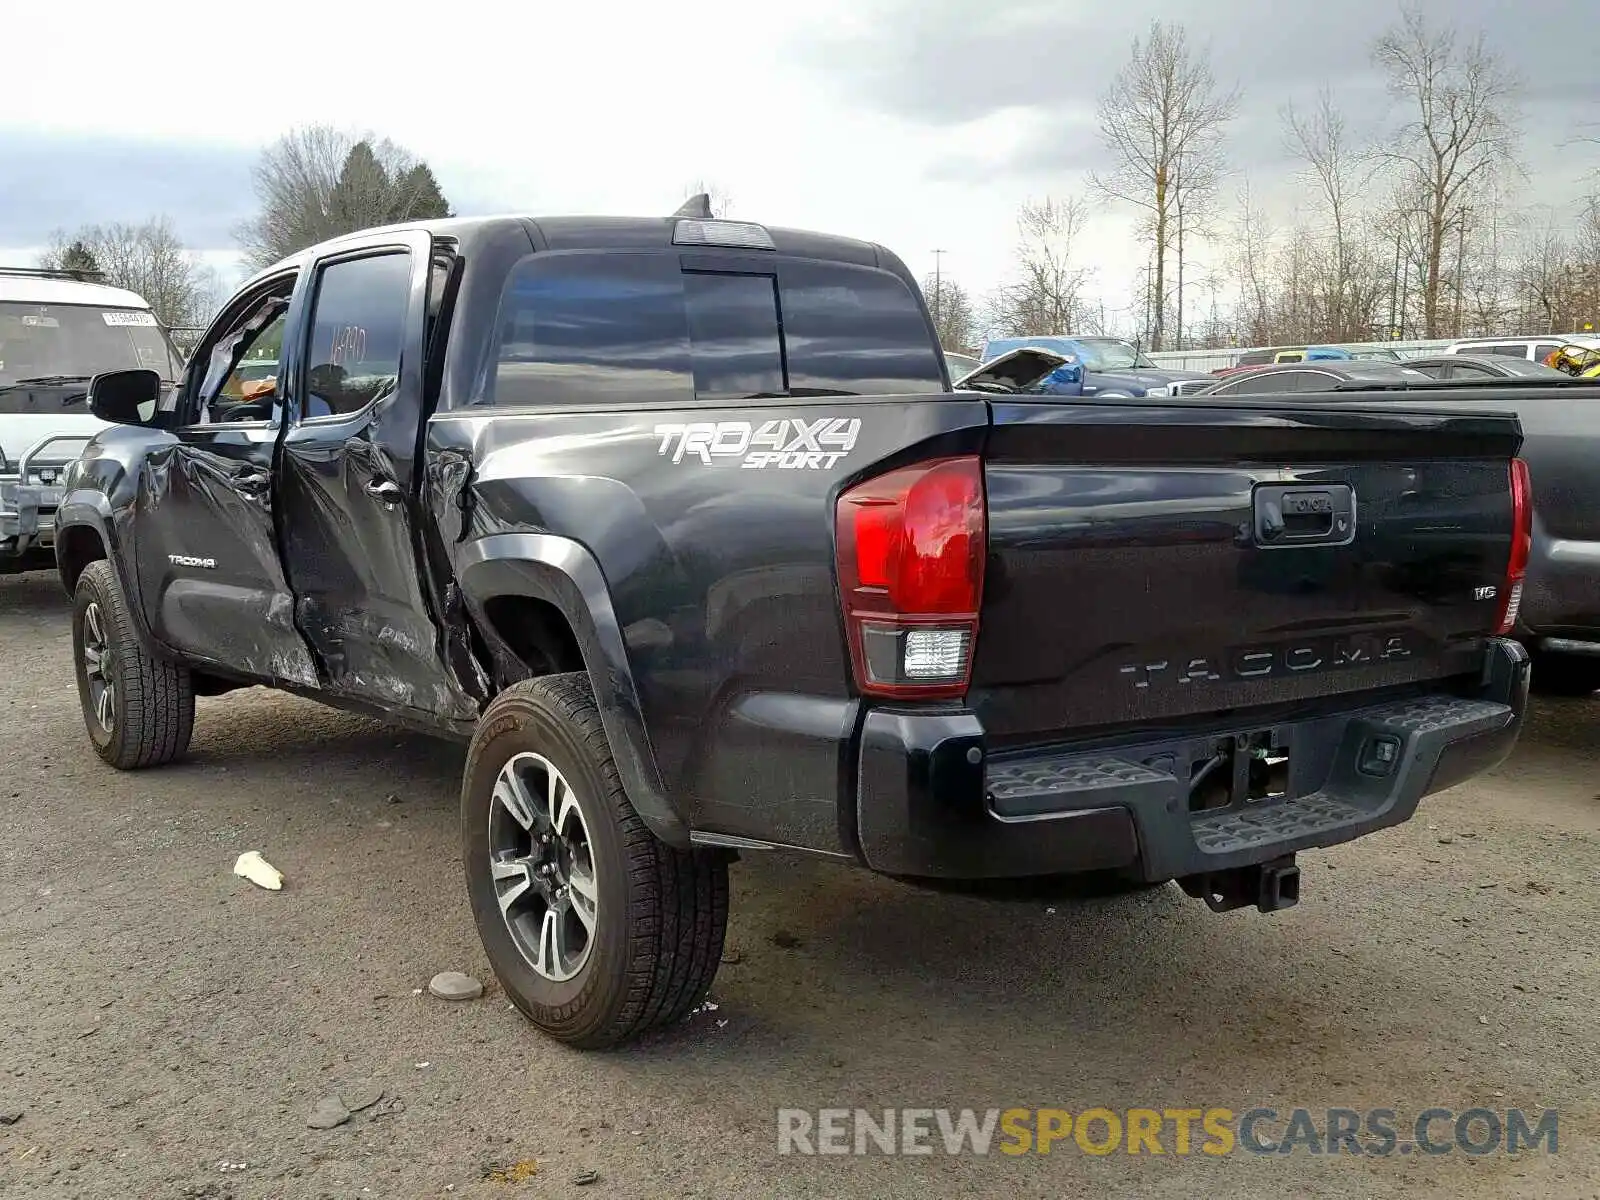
(911, 547)
(1521, 546)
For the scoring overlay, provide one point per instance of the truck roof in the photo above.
(612, 233)
(35, 289)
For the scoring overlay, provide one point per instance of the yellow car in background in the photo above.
(1581, 362)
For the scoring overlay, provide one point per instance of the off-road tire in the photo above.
(662, 911)
(154, 717)
(1565, 675)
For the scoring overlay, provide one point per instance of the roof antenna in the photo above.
(697, 206)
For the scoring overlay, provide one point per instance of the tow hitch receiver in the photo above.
(1270, 886)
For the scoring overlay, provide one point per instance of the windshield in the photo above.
(41, 341)
(1111, 354)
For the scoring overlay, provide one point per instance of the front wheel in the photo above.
(597, 930)
(139, 709)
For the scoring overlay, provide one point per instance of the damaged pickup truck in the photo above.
(679, 524)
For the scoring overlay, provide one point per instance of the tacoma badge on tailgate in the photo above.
(1257, 662)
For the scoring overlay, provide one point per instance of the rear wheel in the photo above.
(139, 709)
(1565, 675)
(596, 929)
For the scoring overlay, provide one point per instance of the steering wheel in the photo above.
(248, 410)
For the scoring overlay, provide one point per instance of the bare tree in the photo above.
(721, 198)
(1339, 168)
(1163, 119)
(1251, 264)
(317, 182)
(1587, 319)
(148, 259)
(1462, 126)
(1047, 293)
(954, 318)
(1195, 208)
(1543, 273)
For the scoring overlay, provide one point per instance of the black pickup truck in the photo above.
(681, 525)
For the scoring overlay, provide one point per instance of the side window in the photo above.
(838, 319)
(1471, 371)
(733, 335)
(1290, 356)
(1476, 350)
(1544, 350)
(1515, 351)
(593, 328)
(1253, 385)
(358, 328)
(240, 378)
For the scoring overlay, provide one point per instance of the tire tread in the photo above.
(678, 899)
(155, 698)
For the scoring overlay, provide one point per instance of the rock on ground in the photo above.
(453, 985)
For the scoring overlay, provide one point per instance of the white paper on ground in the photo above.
(259, 871)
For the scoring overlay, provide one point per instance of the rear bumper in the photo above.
(930, 803)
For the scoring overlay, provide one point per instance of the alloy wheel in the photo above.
(99, 668)
(542, 859)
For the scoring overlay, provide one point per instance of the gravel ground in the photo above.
(164, 1021)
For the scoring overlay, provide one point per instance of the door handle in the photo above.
(386, 490)
(253, 483)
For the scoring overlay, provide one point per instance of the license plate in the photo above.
(49, 497)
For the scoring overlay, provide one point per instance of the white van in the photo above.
(57, 330)
(1535, 348)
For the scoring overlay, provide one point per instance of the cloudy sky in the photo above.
(922, 124)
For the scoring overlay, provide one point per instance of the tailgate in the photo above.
(1149, 562)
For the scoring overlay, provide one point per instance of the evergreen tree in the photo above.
(417, 196)
(362, 196)
(78, 257)
(318, 182)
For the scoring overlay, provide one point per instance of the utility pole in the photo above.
(938, 289)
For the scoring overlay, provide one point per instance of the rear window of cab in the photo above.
(601, 327)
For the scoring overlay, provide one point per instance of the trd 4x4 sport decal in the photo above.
(791, 443)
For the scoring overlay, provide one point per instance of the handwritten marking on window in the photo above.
(349, 344)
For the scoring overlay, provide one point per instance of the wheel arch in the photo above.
(542, 604)
(77, 546)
